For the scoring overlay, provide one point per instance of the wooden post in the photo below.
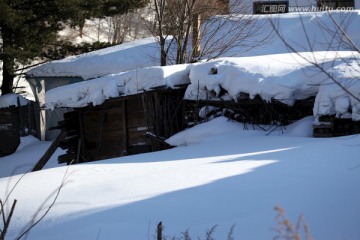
(45, 158)
(82, 150)
(125, 128)
(21, 122)
(159, 231)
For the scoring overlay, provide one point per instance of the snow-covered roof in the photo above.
(120, 58)
(11, 99)
(297, 28)
(96, 91)
(285, 77)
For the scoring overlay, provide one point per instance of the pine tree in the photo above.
(29, 27)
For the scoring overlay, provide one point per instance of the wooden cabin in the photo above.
(122, 126)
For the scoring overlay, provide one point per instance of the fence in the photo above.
(16, 122)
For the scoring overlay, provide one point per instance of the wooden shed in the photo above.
(16, 121)
(122, 126)
(85, 67)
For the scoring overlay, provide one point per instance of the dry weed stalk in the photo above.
(287, 231)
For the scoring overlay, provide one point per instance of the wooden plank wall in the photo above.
(116, 128)
(122, 126)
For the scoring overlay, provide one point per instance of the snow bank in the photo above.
(120, 58)
(11, 99)
(96, 91)
(223, 126)
(284, 77)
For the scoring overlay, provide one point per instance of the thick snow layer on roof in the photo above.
(11, 99)
(120, 58)
(96, 91)
(285, 77)
(338, 97)
(305, 32)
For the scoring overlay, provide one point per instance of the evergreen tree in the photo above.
(29, 27)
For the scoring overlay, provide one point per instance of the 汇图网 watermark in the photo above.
(319, 9)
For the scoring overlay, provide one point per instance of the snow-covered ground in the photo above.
(219, 175)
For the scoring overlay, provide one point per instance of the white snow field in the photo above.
(219, 175)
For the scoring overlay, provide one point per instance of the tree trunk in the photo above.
(8, 76)
(163, 56)
(8, 64)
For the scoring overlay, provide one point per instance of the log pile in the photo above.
(251, 111)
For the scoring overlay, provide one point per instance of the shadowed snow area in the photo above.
(220, 174)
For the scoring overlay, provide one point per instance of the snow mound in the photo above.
(27, 141)
(96, 91)
(11, 99)
(199, 133)
(301, 128)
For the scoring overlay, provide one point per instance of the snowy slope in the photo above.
(224, 175)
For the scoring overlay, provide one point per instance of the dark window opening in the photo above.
(271, 7)
(335, 4)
